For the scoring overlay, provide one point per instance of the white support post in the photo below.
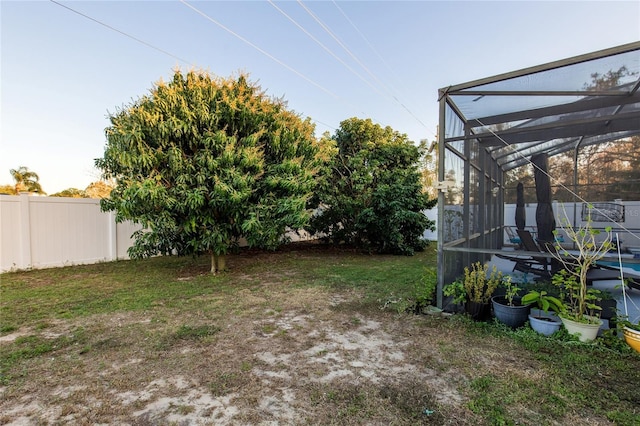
(25, 232)
(112, 236)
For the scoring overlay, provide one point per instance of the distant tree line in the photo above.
(605, 172)
(26, 180)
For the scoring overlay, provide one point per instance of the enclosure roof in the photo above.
(587, 99)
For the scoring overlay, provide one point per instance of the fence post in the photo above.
(25, 232)
(112, 230)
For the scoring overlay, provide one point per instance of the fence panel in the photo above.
(43, 232)
(11, 243)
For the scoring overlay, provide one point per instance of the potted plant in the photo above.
(456, 291)
(509, 309)
(475, 289)
(424, 292)
(631, 333)
(580, 315)
(580, 312)
(540, 319)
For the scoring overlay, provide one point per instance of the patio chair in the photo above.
(513, 238)
(531, 264)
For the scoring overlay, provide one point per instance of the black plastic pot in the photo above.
(478, 311)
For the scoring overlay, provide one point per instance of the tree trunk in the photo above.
(221, 263)
(218, 263)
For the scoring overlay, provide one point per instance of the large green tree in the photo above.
(202, 161)
(369, 193)
(26, 180)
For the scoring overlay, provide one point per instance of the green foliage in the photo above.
(456, 290)
(543, 301)
(578, 300)
(511, 289)
(98, 189)
(488, 402)
(26, 180)
(71, 193)
(421, 297)
(369, 192)
(187, 332)
(33, 346)
(479, 286)
(623, 321)
(532, 379)
(201, 162)
(425, 288)
(8, 190)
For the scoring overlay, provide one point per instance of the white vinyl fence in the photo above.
(627, 225)
(43, 232)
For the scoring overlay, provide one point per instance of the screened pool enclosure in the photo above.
(493, 125)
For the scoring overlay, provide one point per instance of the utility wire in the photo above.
(154, 47)
(178, 58)
(366, 40)
(355, 58)
(314, 39)
(337, 40)
(190, 63)
(122, 33)
(264, 52)
(323, 46)
(384, 61)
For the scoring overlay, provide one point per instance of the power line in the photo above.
(122, 32)
(264, 52)
(366, 40)
(267, 54)
(190, 63)
(323, 46)
(355, 58)
(180, 59)
(166, 52)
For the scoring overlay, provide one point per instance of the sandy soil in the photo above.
(314, 361)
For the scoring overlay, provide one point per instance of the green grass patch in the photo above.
(170, 304)
(186, 332)
(27, 347)
(172, 282)
(574, 376)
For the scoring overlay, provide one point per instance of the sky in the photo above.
(65, 66)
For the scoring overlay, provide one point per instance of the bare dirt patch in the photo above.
(306, 362)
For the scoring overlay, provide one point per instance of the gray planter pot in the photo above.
(544, 324)
(512, 316)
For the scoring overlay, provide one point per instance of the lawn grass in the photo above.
(275, 317)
